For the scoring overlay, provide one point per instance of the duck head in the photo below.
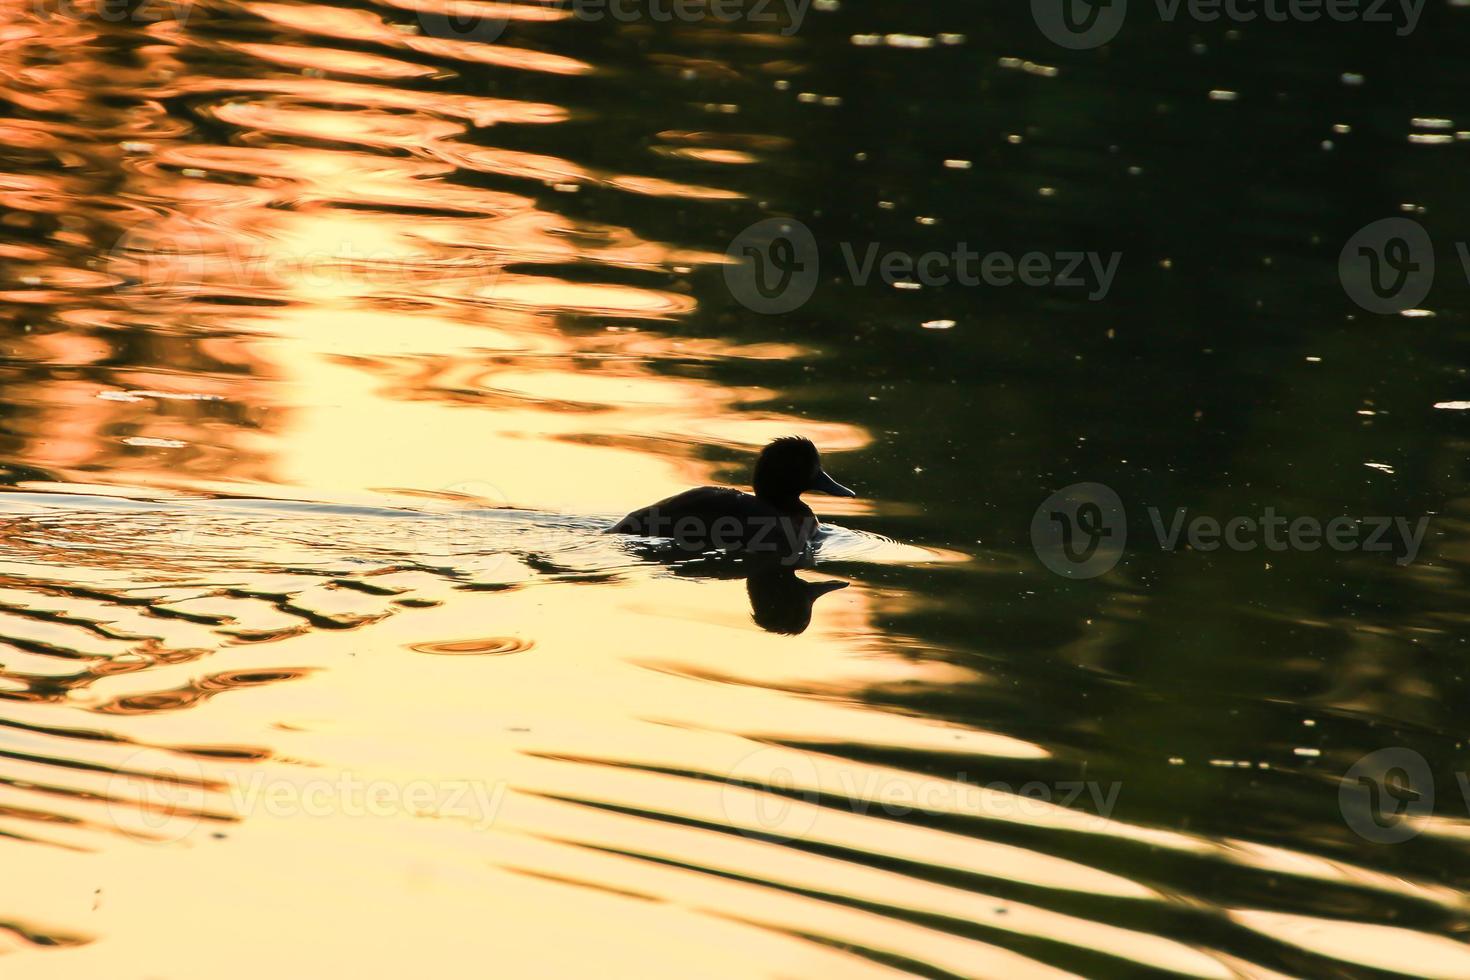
(790, 467)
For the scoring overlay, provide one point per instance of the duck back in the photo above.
(708, 518)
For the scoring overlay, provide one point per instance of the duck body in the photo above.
(723, 518)
(772, 520)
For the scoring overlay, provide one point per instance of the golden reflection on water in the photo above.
(388, 333)
(295, 227)
(314, 274)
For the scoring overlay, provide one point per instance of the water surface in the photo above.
(333, 336)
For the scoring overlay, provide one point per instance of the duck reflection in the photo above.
(780, 600)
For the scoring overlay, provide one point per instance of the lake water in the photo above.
(331, 337)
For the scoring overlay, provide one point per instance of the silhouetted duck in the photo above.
(773, 520)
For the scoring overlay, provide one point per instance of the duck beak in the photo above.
(825, 484)
(815, 590)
